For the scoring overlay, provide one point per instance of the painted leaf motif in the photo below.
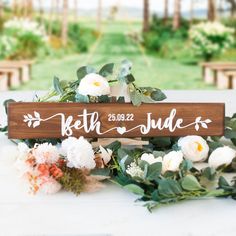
(207, 121)
(29, 123)
(204, 126)
(37, 115)
(198, 119)
(197, 127)
(30, 116)
(36, 123)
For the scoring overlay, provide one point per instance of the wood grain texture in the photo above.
(18, 129)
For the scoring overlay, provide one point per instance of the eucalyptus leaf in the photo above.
(81, 98)
(130, 79)
(209, 173)
(136, 98)
(158, 95)
(6, 102)
(83, 71)
(169, 187)
(107, 69)
(121, 99)
(103, 99)
(100, 172)
(134, 189)
(154, 171)
(57, 85)
(230, 134)
(191, 183)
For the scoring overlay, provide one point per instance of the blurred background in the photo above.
(165, 39)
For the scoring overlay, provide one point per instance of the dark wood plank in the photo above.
(121, 119)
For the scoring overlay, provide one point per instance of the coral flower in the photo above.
(56, 172)
(43, 169)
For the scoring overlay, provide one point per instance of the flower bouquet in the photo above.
(166, 170)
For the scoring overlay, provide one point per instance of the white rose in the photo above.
(150, 158)
(45, 153)
(79, 153)
(172, 161)
(221, 156)
(94, 85)
(194, 148)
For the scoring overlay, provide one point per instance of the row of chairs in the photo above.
(14, 73)
(222, 74)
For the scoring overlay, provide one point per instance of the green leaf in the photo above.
(186, 165)
(224, 184)
(114, 146)
(125, 70)
(191, 183)
(161, 142)
(169, 187)
(135, 98)
(158, 95)
(134, 189)
(107, 70)
(146, 99)
(83, 71)
(209, 173)
(100, 172)
(81, 98)
(130, 79)
(57, 85)
(6, 102)
(103, 99)
(230, 134)
(154, 171)
(121, 100)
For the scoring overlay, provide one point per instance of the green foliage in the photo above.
(230, 128)
(210, 39)
(73, 180)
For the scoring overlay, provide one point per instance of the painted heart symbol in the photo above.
(121, 130)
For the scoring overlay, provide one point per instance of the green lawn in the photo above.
(114, 46)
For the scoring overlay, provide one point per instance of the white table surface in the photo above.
(111, 211)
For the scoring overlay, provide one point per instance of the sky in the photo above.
(155, 5)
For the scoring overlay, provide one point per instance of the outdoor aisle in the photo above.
(114, 46)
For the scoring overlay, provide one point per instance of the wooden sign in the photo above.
(114, 120)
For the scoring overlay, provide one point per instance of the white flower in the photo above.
(94, 85)
(79, 153)
(194, 148)
(172, 161)
(21, 162)
(45, 153)
(51, 186)
(150, 158)
(105, 154)
(221, 156)
(134, 170)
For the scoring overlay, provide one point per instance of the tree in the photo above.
(177, 14)
(211, 15)
(1, 9)
(233, 7)
(64, 36)
(99, 15)
(76, 10)
(166, 10)
(51, 13)
(41, 10)
(191, 11)
(29, 8)
(145, 15)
